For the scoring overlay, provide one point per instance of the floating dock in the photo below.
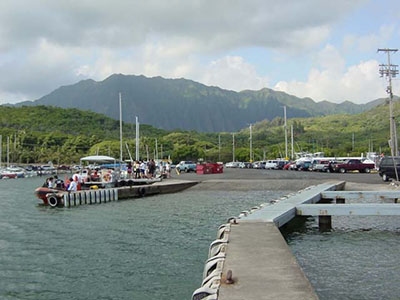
(98, 196)
(250, 258)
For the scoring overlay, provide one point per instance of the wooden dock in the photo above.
(251, 260)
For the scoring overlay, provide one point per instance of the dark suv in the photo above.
(387, 168)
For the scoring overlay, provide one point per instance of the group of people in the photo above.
(71, 185)
(136, 170)
(142, 169)
(54, 183)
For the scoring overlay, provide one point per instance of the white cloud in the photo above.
(359, 84)
(45, 44)
(233, 73)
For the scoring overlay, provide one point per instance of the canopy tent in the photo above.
(99, 159)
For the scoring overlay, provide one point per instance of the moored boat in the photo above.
(49, 196)
(11, 173)
(101, 173)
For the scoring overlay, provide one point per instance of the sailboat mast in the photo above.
(285, 128)
(137, 139)
(120, 127)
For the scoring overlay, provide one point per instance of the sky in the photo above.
(321, 49)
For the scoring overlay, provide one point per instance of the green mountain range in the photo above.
(183, 104)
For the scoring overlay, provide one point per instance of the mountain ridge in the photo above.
(183, 104)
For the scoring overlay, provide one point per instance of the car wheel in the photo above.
(342, 170)
(385, 177)
(367, 170)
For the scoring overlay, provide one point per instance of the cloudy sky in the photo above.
(323, 49)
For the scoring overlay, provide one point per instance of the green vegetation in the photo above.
(38, 134)
(184, 104)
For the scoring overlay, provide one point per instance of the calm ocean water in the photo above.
(155, 247)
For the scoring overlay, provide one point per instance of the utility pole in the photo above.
(389, 71)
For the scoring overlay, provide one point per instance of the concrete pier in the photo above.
(251, 260)
(263, 267)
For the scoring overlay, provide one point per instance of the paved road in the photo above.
(241, 179)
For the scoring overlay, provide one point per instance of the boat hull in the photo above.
(44, 194)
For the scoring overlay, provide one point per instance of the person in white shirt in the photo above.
(73, 185)
(50, 183)
(168, 169)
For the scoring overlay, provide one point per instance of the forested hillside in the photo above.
(41, 134)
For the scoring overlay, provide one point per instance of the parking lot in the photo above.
(241, 179)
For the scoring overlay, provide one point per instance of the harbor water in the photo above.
(155, 247)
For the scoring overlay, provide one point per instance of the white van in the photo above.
(271, 164)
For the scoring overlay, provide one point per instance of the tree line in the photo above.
(35, 135)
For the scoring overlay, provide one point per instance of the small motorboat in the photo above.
(49, 196)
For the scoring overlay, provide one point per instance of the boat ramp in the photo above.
(250, 259)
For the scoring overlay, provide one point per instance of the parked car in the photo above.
(259, 165)
(388, 167)
(303, 165)
(246, 165)
(362, 166)
(270, 164)
(186, 166)
(232, 164)
(281, 164)
(320, 165)
(291, 165)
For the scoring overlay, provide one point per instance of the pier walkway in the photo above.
(250, 258)
(262, 265)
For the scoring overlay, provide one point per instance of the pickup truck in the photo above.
(353, 165)
(186, 166)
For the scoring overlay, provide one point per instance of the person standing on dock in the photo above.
(129, 170)
(78, 179)
(73, 185)
(137, 170)
(152, 168)
(168, 169)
